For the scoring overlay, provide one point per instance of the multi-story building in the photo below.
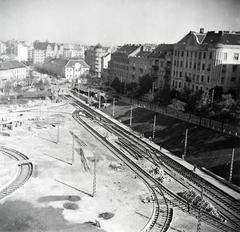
(73, 51)
(42, 50)
(12, 70)
(21, 52)
(139, 66)
(160, 60)
(93, 57)
(119, 63)
(75, 69)
(2, 48)
(202, 61)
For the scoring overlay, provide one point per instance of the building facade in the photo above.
(202, 61)
(75, 69)
(12, 70)
(119, 63)
(160, 60)
(73, 51)
(96, 57)
(22, 52)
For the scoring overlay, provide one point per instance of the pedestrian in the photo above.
(194, 168)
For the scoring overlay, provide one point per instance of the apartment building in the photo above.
(96, 57)
(139, 66)
(21, 52)
(73, 51)
(202, 61)
(160, 60)
(42, 50)
(120, 64)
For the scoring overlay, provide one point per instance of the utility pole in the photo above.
(94, 177)
(99, 106)
(185, 144)
(88, 96)
(58, 134)
(113, 113)
(212, 99)
(200, 213)
(231, 167)
(72, 149)
(154, 126)
(131, 116)
(153, 89)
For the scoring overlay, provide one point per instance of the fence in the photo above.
(191, 118)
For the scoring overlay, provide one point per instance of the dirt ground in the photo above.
(59, 195)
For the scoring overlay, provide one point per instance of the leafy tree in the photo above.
(145, 84)
(218, 91)
(40, 85)
(163, 96)
(117, 85)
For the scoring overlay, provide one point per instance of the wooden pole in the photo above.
(95, 177)
(113, 113)
(154, 126)
(185, 144)
(131, 116)
(72, 149)
(231, 167)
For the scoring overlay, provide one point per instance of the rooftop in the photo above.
(72, 62)
(128, 48)
(161, 50)
(42, 45)
(11, 64)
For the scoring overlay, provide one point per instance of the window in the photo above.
(203, 66)
(234, 68)
(222, 80)
(225, 56)
(209, 67)
(236, 56)
(195, 65)
(204, 55)
(179, 84)
(233, 79)
(193, 77)
(182, 53)
(197, 78)
(190, 65)
(199, 55)
(186, 65)
(210, 55)
(181, 63)
(180, 74)
(202, 78)
(208, 79)
(195, 54)
(224, 68)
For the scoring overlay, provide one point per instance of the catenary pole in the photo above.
(231, 167)
(154, 126)
(185, 145)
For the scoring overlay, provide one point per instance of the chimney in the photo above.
(201, 30)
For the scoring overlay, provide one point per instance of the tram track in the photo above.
(166, 160)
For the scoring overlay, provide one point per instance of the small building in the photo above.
(75, 69)
(13, 71)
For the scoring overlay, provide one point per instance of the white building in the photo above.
(12, 70)
(202, 61)
(22, 52)
(75, 69)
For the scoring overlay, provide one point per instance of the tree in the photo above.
(40, 85)
(145, 84)
(163, 96)
(117, 85)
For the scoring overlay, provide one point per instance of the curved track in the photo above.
(23, 174)
(165, 214)
(228, 204)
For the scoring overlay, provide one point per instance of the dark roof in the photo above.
(128, 48)
(72, 62)
(54, 61)
(42, 45)
(143, 54)
(11, 64)
(161, 50)
(222, 38)
(192, 38)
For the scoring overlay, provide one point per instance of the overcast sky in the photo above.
(112, 22)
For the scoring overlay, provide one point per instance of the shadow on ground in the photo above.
(22, 216)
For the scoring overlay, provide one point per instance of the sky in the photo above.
(114, 22)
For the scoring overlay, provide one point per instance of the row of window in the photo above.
(179, 85)
(191, 65)
(192, 77)
(203, 55)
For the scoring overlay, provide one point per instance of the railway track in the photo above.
(162, 158)
(166, 212)
(24, 171)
